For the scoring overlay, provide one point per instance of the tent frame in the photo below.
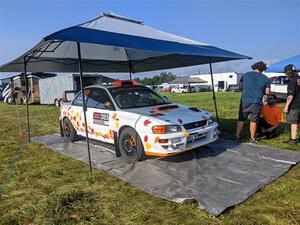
(131, 70)
(83, 101)
(84, 108)
(27, 99)
(213, 90)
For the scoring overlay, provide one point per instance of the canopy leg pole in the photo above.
(130, 69)
(84, 107)
(27, 100)
(213, 91)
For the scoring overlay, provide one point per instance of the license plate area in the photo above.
(196, 136)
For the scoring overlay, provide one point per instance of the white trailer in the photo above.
(61, 88)
(222, 81)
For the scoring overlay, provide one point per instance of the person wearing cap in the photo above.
(271, 117)
(254, 86)
(292, 106)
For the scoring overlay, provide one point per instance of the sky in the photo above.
(267, 30)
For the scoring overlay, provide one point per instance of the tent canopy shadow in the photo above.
(219, 147)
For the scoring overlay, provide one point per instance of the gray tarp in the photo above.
(217, 176)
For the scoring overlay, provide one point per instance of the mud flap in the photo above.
(116, 141)
(61, 129)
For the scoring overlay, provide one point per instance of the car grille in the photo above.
(196, 124)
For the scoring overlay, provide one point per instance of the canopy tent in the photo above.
(279, 66)
(112, 43)
(109, 42)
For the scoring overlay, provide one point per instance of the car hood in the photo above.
(172, 113)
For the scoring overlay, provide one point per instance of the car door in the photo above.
(100, 113)
(75, 114)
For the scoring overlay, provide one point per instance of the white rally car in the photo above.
(137, 120)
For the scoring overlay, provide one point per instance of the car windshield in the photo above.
(136, 97)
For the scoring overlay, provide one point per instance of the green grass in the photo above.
(44, 187)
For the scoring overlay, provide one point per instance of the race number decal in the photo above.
(101, 118)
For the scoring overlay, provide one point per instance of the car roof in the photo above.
(98, 86)
(109, 86)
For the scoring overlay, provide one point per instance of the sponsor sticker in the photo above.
(101, 118)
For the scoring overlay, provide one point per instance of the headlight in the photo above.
(211, 120)
(166, 129)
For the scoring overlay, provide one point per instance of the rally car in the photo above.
(137, 120)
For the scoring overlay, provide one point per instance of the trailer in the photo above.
(14, 90)
(62, 88)
(222, 81)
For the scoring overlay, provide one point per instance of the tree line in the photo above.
(164, 77)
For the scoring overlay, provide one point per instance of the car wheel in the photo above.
(70, 134)
(57, 103)
(131, 146)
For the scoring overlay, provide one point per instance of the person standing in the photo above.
(292, 106)
(254, 86)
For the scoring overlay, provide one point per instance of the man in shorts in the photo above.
(254, 86)
(292, 106)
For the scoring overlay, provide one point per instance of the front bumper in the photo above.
(183, 141)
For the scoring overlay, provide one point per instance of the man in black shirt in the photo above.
(292, 106)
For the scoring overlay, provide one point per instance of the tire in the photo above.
(69, 133)
(57, 102)
(131, 146)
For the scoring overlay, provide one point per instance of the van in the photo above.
(180, 89)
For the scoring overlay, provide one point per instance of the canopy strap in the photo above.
(27, 99)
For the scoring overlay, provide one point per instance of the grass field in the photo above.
(40, 186)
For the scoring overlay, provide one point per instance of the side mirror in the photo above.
(165, 97)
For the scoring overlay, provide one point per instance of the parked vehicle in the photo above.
(137, 120)
(1, 90)
(180, 89)
(164, 87)
(279, 86)
(234, 88)
(200, 88)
